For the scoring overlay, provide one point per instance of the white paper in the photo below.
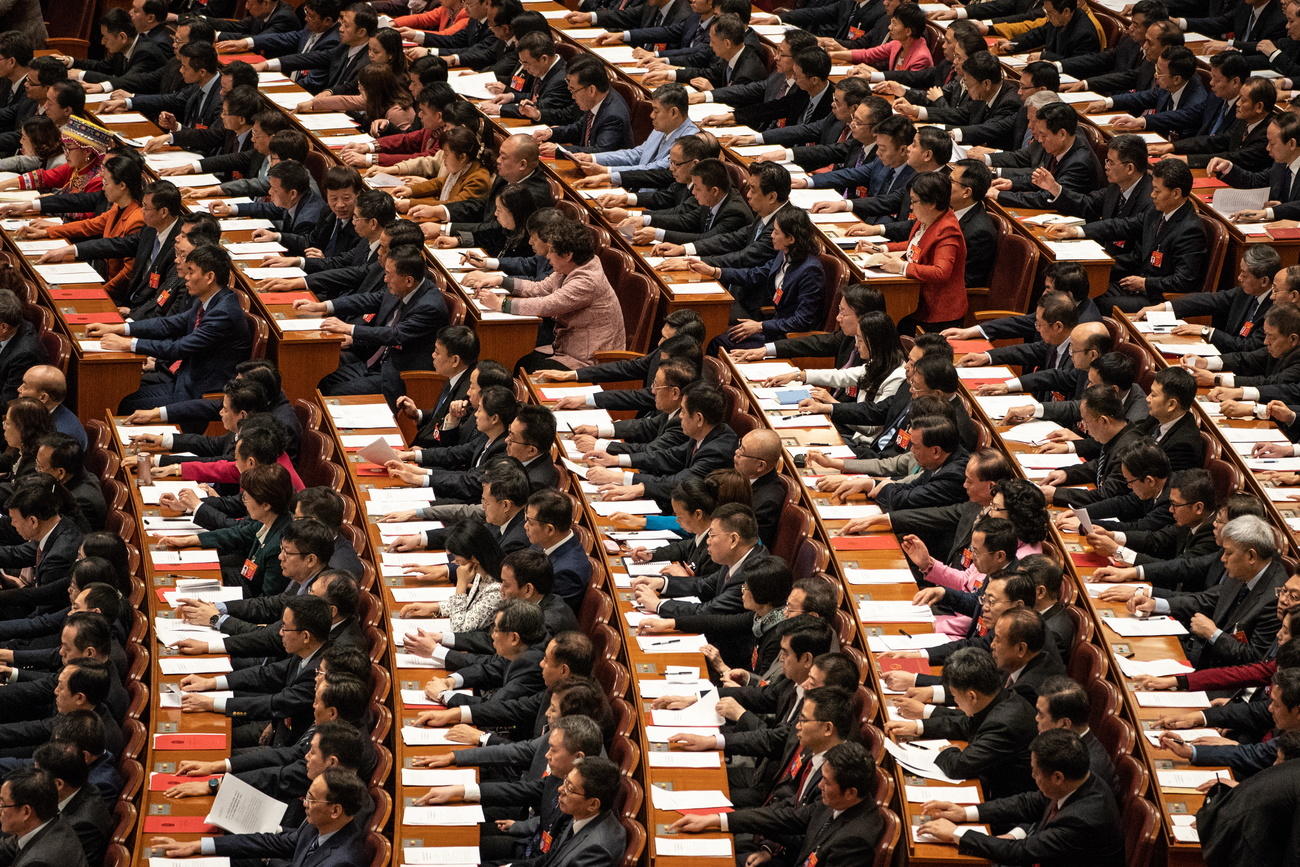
(1196, 699)
(68, 272)
(273, 273)
(1030, 432)
(183, 557)
(859, 577)
(688, 799)
(243, 809)
(893, 611)
(1204, 350)
(918, 760)
(951, 794)
(765, 370)
(568, 419)
(208, 861)
(702, 713)
(410, 660)
(913, 641)
(1170, 778)
(632, 507)
(683, 759)
(29, 248)
(849, 512)
(438, 777)
(474, 86)
(1133, 627)
(362, 415)
(1252, 434)
(418, 736)
(1228, 201)
(172, 700)
(459, 815)
(1188, 735)
(356, 441)
(799, 421)
(661, 734)
(441, 855)
(326, 120)
(422, 594)
(671, 643)
(124, 117)
(693, 846)
(171, 665)
(994, 372)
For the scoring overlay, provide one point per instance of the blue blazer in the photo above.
(1184, 120)
(208, 353)
(610, 131)
(280, 44)
(803, 300)
(572, 571)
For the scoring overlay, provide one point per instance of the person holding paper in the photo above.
(1232, 621)
(1190, 534)
(658, 432)
(1071, 813)
(329, 836)
(1145, 506)
(1103, 413)
(1237, 316)
(294, 206)
(277, 696)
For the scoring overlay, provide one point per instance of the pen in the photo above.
(904, 633)
(669, 641)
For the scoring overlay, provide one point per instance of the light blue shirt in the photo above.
(650, 154)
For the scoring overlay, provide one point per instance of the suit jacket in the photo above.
(1077, 169)
(88, 816)
(145, 278)
(345, 849)
(997, 749)
(1175, 122)
(572, 571)
(1078, 36)
(745, 68)
(689, 221)
(801, 303)
(208, 352)
(329, 235)
(600, 843)
(849, 838)
(1227, 137)
(1103, 471)
(276, 44)
(767, 498)
(1254, 617)
(718, 591)
(1270, 24)
(939, 262)
(1251, 824)
(661, 473)
(1107, 203)
(55, 845)
(640, 16)
(311, 210)
(1182, 443)
(981, 236)
(1085, 830)
(430, 431)
(1171, 252)
(409, 339)
(1237, 318)
(610, 129)
(281, 19)
(499, 680)
(146, 56)
(21, 352)
(50, 575)
(762, 105)
(550, 94)
(970, 113)
(281, 692)
(931, 488)
(1275, 178)
(1125, 54)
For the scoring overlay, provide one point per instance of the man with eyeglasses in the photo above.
(858, 151)
(588, 833)
(29, 813)
(756, 459)
(605, 123)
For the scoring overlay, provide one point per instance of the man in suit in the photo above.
(46, 384)
(455, 357)
(532, 436)
(843, 828)
(544, 95)
(405, 319)
(1172, 107)
(774, 102)
(827, 129)
(669, 122)
(1103, 414)
(37, 835)
(709, 446)
(1283, 137)
(628, 16)
(549, 524)
(715, 208)
(48, 550)
(1072, 813)
(658, 431)
(1061, 340)
(881, 187)
(332, 235)
(1170, 423)
(1025, 651)
(1171, 251)
(853, 152)
(1120, 58)
(936, 447)
(1068, 32)
(294, 206)
(1250, 22)
(756, 459)
(80, 806)
(276, 696)
(200, 348)
(15, 67)
(149, 17)
(732, 62)
(1236, 316)
(456, 472)
(971, 180)
(989, 96)
(1275, 365)
(320, 32)
(20, 348)
(329, 836)
(996, 723)
(360, 269)
(474, 220)
(1063, 705)
(338, 64)
(185, 114)
(511, 672)
(262, 16)
(1235, 621)
(1063, 153)
(588, 832)
(768, 191)
(1234, 124)
(605, 123)
(151, 250)
(127, 52)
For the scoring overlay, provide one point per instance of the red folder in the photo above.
(1207, 183)
(283, 297)
(916, 666)
(878, 542)
(177, 824)
(369, 469)
(197, 741)
(163, 782)
(1092, 560)
(105, 316)
(962, 346)
(61, 294)
(247, 58)
(1279, 233)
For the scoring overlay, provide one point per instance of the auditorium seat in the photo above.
(1012, 281)
(635, 841)
(625, 753)
(606, 641)
(383, 803)
(57, 348)
(794, 525)
(1116, 735)
(624, 717)
(612, 676)
(124, 818)
(1133, 778)
(596, 608)
(378, 849)
(888, 838)
(639, 299)
(1146, 373)
(1227, 478)
(1141, 828)
(810, 558)
(136, 737)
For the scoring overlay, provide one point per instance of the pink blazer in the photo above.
(883, 56)
(588, 318)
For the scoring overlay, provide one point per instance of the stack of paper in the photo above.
(1133, 627)
(361, 415)
(1153, 667)
(888, 611)
(688, 799)
(918, 760)
(1196, 699)
(70, 272)
(326, 120)
(671, 643)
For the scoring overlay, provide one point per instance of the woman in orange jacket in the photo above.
(123, 187)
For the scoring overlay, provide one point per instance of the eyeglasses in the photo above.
(803, 719)
(284, 628)
(1283, 593)
(4, 806)
(286, 552)
(565, 787)
(307, 800)
(1174, 505)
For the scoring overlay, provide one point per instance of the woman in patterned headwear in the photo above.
(84, 145)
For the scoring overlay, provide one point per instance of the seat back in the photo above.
(57, 348)
(1227, 478)
(260, 333)
(794, 526)
(1012, 281)
(1133, 779)
(635, 841)
(1116, 735)
(638, 297)
(884, 855)
(1216, 250)
(837, 277)
(1145, 373)
(1141, 828)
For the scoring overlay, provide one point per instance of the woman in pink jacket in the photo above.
(906, 48)
(577, 295)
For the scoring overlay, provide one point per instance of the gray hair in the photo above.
(580, 734)
(1255, 533)
(1261, 260)
(1042, 98)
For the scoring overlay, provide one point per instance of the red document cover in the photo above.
(878, 542)
(961, 346)
(105, 316)
(197, 741)
(1088, 559)
(1207, 183)
(60, 294)
(163, 782)
(283, 297)
(369, 469)
(1283, 234)
(177, 824)
(916, 666)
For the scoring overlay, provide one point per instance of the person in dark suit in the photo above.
(1172, 107)
(1238, 130)
(262, 16)
(1012, 132)
(35, 814)
(332, 235)
(544, 96)
(127, 52)
(511, 672)
(989, 96)
(1103, 413)
(338, 64)
(856, 150)
(188, 113)
(1249, 23)
(1063, 153)
(1251, 822)
(474, 221)
(294, 207)
(1024, 650)
(1172, 243)
(1063, 704)
(652, 13)
(49, 548)
(320, 32)
(733, 61)
(714, 208)
(280, 694)
(1170, 423)
(971, 180)
(936, 445)
(81, 808)
(406, 317)
(549, 525)
(1068, 32)
(773, 102)
(455, 356)
(605, 123)
(20, 347)
(756, 459)
(588, 832)
(824, 129)
(151, 250)
(1235, 621)
(1121, 56)
(1275, 364)
(359, 270)
(331, 835)
(200, 347)
(651, 433)
(1237, 315)
(1074, 817)
(456, 472)
(996, 723)
(881, 186)
(710, 445)
(733, 546)
(842, 828)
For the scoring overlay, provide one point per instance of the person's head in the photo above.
(1172, 392)
(1255, 272)
(1282, 329)
(15, 53)
(116, 32)
(96, 595)
(207, 270)
(1103, 412)
(1126, 159)
(335, 796)
(972, 678)
(306, 546)
(1067, 277)
(930, 149)
(569, 654)
(766, 586)
(1256, 100)
(768, 187)
(1174, 68)
(31, 799)
(1284, 699)
(1228, 71)
(1059, 12)
(1286, 286)
(934, 441)
(304, 624)
(733, 531)
(470, 545)
(1249, 546)
(709, 180)
(336, 743)
(727, 36)
(339, 696)
(815, 597)
(570, 739)
(971, 180)
(266, 491)
(571, 245)
(793, 234)
(1058, 124)
(532, 433)
(704, 407)
(1058, 762)
(356, 23)
(1114, 369)
(517, 626)
(290, 183)
(758, 453)
(1171, 184)
(848, 776)
(803, 639)
(1062, 704)
(64, 762)
(548, 517)
(894, 136)
(811, 67)
(340, 591)
(41, 139)
(61, 456)
(588, 82)
(82, 683)
(1145, 468)
(198, 62)
(825, 719)
(590, 788)
(993, 544)
(932, 375)
(982, 74)
(517, 158)
(668, 107)
(866, 114)
(515, 203)
(985, 468)
(1019, 635)
(1038, 77)
(1022, 503)
(25, 423)
(1003, 591)
(931, 194)
(526, 574)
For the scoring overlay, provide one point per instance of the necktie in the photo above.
(198, 320)
(1049, 814)
(1250, 27)
(1230, 616)
(586, 128)
(157, 248)
(300, 74)
(334, 237)
(390, 322)
(808, 113)
(785, 89)
(1219, 121)
(1026, 139)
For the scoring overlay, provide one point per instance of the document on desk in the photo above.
(209, 861)
(439, 777)
(693, 846)
(1197, 699)
(618, 54)
(632, 507)
(1078, 251)
(422, 594)
(440, 855)
(195, 665)
(997, 405)
(661, 734)
(326, 120)
(71, 272)
(1228, 201)
(1252, 434)
(339, 141)
(1134, 627)
(243, 809)
(859, 577)
(1204, 350)
(918, 760)
(361, 415)
(798, 420)
(123, 118)
(418, 736)
(702, 713)
(893, 611)
(410, 660)
(761, 370)
(951, 794)
(460, 815)
(914, 641)
(1047, 461)
(847, 513)
(683, 759)
(222, 594)
(1176, 780)
(1033, 433)
(806, 198)
(688, 799)
(172, 700)
(474, 86)
(671, 643)
(1188, 735)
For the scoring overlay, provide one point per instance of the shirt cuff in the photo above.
(483, 739)
(219, 704)
(472, 794)
(1162, 606)
(629, 478)
(624, 461)
(939, 697)
(221, 682)
(1128, 555)
(217, 645)
(927, 711)
(448, 639)
(167, 442)
(922, 114)
(708, 94)
(604, 430)
(955, 135)
(1215, 637)
(1038, 410)
(273, 65)
(769, 350)
(1110, 103)
(722, 822)
(877, 77)
(1013, 384)
(1249, 392)
(720, 742)
(208, 846)
(689, 249)
(465, 715)
(1214, 362)
(457, 681)
(589, 400)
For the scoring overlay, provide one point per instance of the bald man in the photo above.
(756, 458)
(47, 385)
(1087, 342)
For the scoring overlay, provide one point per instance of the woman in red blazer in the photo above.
(935, 254)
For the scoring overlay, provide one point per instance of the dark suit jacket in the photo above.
(89, 818)
(270, 44)
(1252, 824)
(981, 245)
(1271, 25)
(1174, 122)
(1103, 471)
(142, 285)
(997, 749)
(1255, 617)
(310, 211)
(208, 353)
(550, 95)
(931, 488)
(1182, 444)
(718, 591)
(281, 692)
(145, 58)
(281, 19)
(21, 352)
(1122, 55)
(1230, 313)
(742, 248)
(1171, 252)
(1246, 148)
(970, 113)
(1078, 36)
(609, 130)
(56, 845)
(801, 306)
(48, 592)
(430, 432)
(345, 849)
(849, 839)
(641, 15)
(409, 341)
(761, 104)
(498, 680)
(600, 843)
(1086, 830)
(767, 498)
(748, 67)
(689, 221)
(1077, 169)
(572, 571)
(661, 473)
(1106, 203)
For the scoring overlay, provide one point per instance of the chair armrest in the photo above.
(985, 315)
(607, 355)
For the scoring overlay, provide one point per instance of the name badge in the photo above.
(154, 277)
(1246, 329)
(249, 570)
(163, 297)
(546, 841)
(1157, 258)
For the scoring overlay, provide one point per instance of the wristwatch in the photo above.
(212, 621)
